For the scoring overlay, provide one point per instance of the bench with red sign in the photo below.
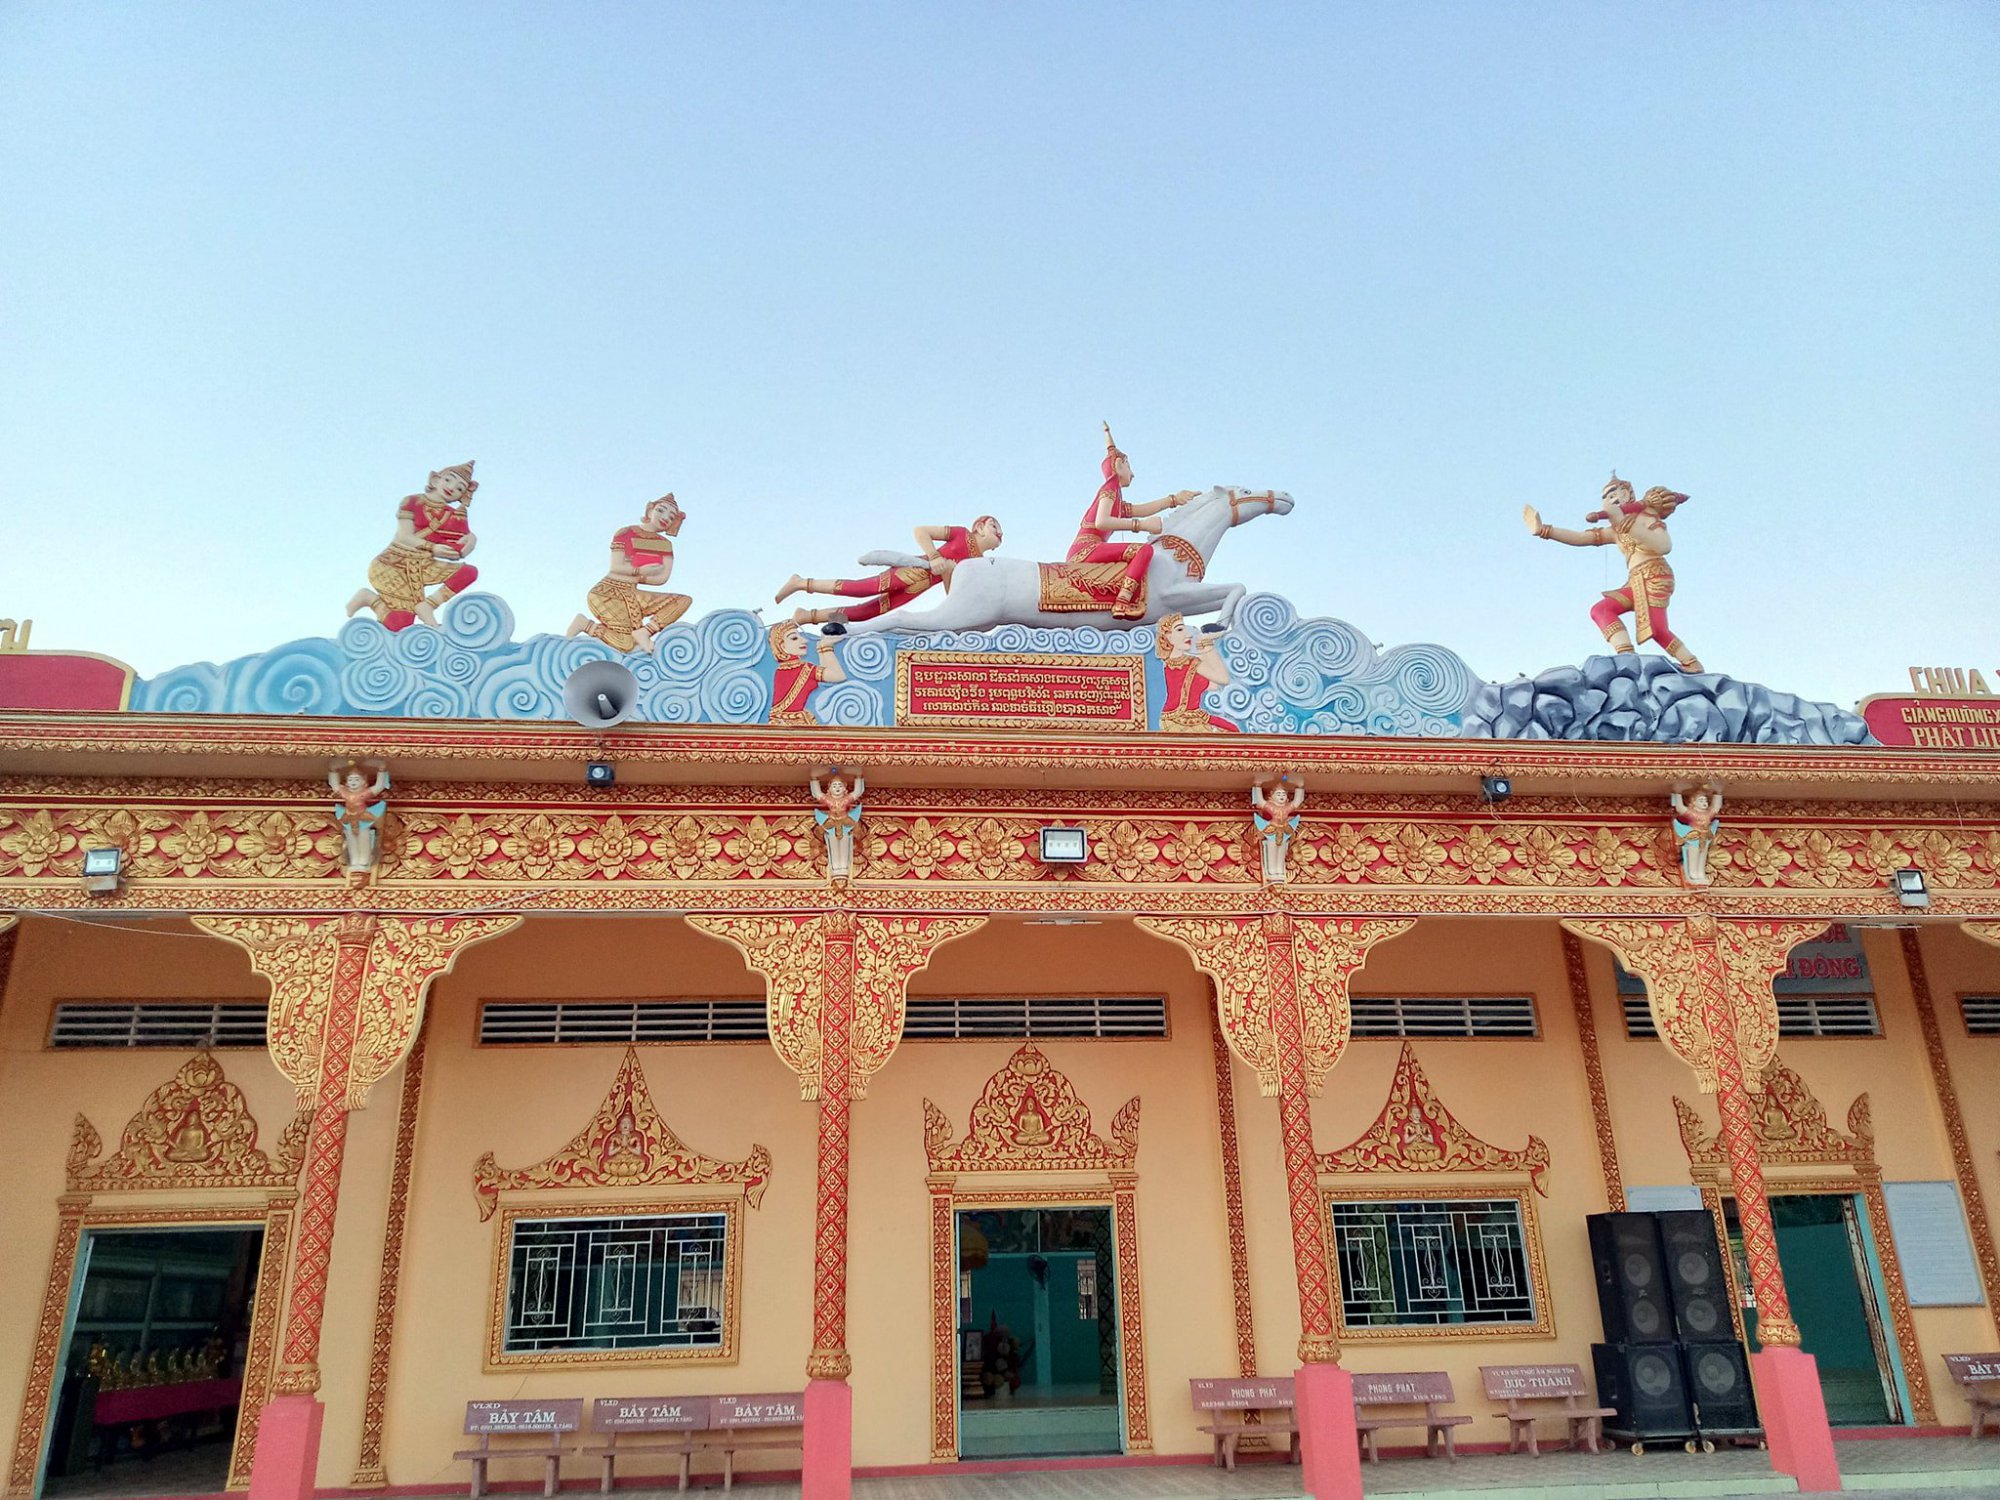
(1519, 1384)
(1233, 1401)
(1430, 1389)
(1978, 1375)
(736, 1423)
(547, 1420)
(635, 1425)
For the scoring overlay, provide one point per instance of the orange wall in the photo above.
(524, 1103)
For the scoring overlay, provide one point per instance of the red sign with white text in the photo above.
(1934, 723)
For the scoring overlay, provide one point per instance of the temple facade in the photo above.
(979, 1049)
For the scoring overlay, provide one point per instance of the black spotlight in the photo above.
(1496, 788)
(599, 773)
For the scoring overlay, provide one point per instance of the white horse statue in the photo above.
(990, 590)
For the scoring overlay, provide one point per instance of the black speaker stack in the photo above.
(1670, 1365)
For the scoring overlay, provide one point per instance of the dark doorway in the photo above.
(1830, 1278)
(1038, 1333)
(153, 1371)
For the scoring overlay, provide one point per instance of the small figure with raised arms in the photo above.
(1110, 512)
(1192, 664)
(622, 615)
(432, 541)
(359, 806)
(793, 682)
(838, 816)
(1276, 814)
(1696, 819)
(1638, 528)
(904, 576)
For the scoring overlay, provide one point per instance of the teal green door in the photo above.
(1831, 1286)
(1038, 1333)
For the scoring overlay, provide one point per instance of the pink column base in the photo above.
(1794, 1412)
(1329, 1450)
(286, 1463)
(828, 1470)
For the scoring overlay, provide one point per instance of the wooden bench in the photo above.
(1232, 1402)
(1519, 1384)
(1978, 1375)
(1430, 1388)
(635, 1425)
(548, 1420)
(736, 1423)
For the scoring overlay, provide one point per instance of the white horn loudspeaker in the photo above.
(600, 694)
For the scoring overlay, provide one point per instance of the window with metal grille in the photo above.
(1798, 1015)
(526, 1022)
(625, 1282)
(1443, 1015)
(158, 1023)
(1433, 1263)
(977, 1017)
(1982, 1014)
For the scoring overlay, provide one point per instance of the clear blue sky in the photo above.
(832, 271)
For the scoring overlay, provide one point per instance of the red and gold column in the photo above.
(1708, 981)
(834, 986)
(347, 994)
(1281, 985)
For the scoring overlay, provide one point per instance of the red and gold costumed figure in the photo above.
(906, 576)
(793, 683)
(628, 617)
(1638, 528)
(431, 543)
(1191, 666)
(1110, 511)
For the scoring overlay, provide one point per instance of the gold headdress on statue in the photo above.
(1616, 486)
(458, 471)
(1111, 449)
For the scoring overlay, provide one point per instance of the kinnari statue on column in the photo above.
(622, 615)
(838, 816)
(431, 544)
(1697, 818)
(905, 576)
(1276, 816)
(361, 801)
(1639, 530)
(1110, 511)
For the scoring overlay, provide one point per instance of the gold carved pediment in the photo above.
(1792, 1128)
(1416, 1133)
(626, 1143)
(1028, 1118)
(194, 1130)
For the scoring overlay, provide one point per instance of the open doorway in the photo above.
(1830, 1277)
(1038, 1333)
(152, 1373)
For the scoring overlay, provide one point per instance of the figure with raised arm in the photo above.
(1638, 528)
(904, 576)
(1276, 814)
(838, 816)
(359, 805)
(793, 683)
(1697, 818)
(622, 615)
(1192, 665)
(1111, 512)
(432, 541)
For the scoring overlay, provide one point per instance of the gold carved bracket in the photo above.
(1416, 1133)
(194, 1130)
(1237, 954)
(791, 953)
(1689, 963)
(1028, 1118)
(400, 958)
(1792, 1129)
(626, 1143)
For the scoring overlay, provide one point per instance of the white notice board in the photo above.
(1652, 1200)
(1931, 1242)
